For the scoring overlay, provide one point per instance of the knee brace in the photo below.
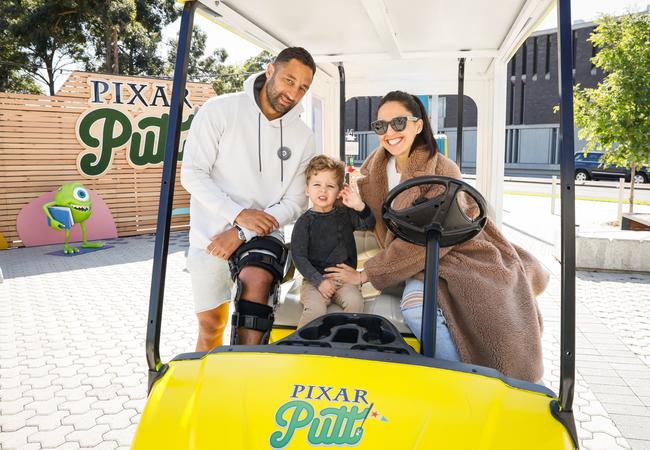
(252, 315)
(269, 254)
(265, 252)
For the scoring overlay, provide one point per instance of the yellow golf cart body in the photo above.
(262, 399)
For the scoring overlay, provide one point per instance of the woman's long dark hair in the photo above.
(416, 108)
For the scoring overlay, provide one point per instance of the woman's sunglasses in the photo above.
(396, 123)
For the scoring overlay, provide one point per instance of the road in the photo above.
(596, 190)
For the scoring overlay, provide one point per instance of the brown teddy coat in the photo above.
(487, 286)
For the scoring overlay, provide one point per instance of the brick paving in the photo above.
(73, 372)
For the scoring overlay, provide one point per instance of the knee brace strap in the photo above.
(265, 252)
(254, 316)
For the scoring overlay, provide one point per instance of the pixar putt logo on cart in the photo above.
(337, 419)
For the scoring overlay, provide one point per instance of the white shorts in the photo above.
(211, 282)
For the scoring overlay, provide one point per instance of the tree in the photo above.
(127, 33)
(139, 51)
(12, 61)
(46, 35)
(200, 68)
(615, 116)
(230, 78)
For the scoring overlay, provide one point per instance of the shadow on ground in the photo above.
(26, 262)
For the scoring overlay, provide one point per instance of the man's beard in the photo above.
(274, 98)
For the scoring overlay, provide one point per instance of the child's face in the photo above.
(323, 189)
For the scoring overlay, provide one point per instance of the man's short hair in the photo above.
(298, 53)
(322, 163)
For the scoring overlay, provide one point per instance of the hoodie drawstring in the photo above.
(281, 151)
(281, 159)
(259, 139)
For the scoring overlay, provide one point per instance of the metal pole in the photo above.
(553, 193)
(459, 124)
(568, 320)
(430, 301)
(621, 195)
(163, 224)
(342, 112)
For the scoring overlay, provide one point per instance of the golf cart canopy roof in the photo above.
(388, 44)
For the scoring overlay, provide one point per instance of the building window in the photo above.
(512, 103)
(522, 101)
(547, 69)
(524, 59)
(534, 58)
(594, 52)
(574, 44)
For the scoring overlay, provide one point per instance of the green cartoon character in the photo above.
(71, 205)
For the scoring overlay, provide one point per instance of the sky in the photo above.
(590, 10)
(238, 48)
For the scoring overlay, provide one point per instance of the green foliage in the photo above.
(615, 116)
(200, 68)
(230, 78)
(126, 34)
(12, 62)
(41, 37)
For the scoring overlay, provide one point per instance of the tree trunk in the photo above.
(116, 52)
(632, 175)
(50, 83)
(107, 43)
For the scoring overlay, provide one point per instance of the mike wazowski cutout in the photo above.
(71, 205)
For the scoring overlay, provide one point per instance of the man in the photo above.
(243, 165)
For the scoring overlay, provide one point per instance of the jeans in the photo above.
(445, 347)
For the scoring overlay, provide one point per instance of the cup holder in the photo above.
(380, 337)
(349, 335)
(352, 331)
(314, 333)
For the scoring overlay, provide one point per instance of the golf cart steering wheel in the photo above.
(441, 214)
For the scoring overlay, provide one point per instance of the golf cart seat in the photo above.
(384, 303)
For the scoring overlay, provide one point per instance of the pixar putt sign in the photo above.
(129, 116)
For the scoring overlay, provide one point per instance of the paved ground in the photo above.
(72, 367)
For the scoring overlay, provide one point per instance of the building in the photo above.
(531, 124)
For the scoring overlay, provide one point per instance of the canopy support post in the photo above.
(163, 225)
(342, 112)
(567, 164)
(459, 120)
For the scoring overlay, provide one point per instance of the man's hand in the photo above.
(224, 244)
(258, 221)
(327, 288)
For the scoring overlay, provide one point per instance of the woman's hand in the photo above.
(344, 274)
(351, 199)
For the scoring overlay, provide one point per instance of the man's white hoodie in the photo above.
(232, 161)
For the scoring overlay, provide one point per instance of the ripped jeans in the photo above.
(445, 347)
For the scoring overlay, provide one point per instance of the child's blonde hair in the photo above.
(323, 162)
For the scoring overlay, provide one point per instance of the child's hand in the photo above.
(327, 288)
(351, 199)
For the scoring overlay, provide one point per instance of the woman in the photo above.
(487, 311)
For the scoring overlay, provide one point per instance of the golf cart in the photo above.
(360, 380)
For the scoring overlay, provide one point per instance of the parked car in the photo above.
(590, 167)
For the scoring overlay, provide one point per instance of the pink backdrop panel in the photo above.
(33, 230)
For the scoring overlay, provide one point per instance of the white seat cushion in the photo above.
(385, 304)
